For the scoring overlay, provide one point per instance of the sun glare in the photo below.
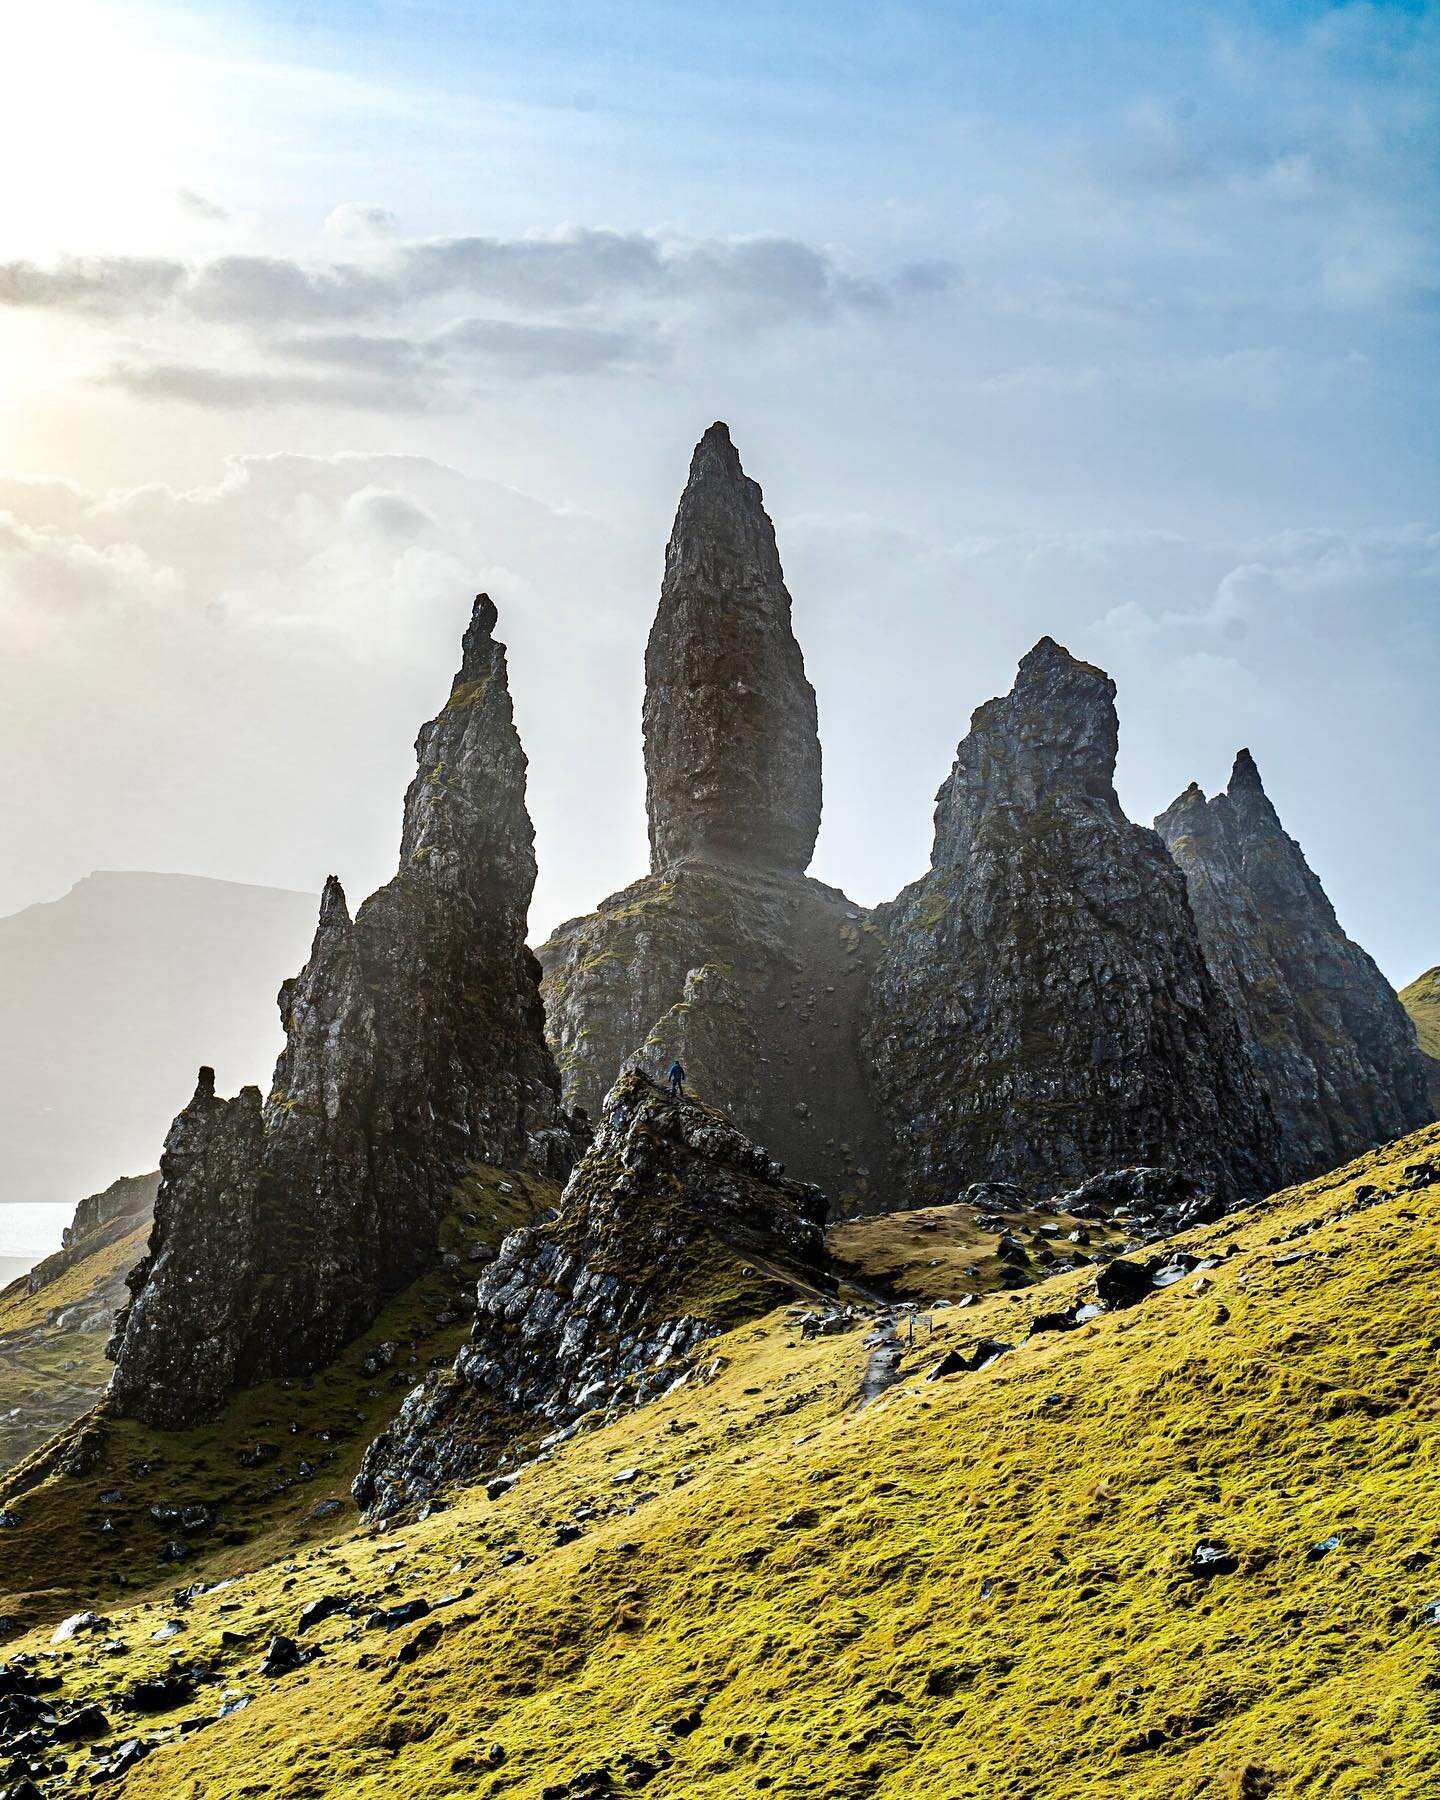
(95, 114)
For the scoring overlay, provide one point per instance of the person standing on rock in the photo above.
(677, 1081)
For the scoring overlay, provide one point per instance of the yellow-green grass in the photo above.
(943, 1252)
(50, 1374)
(973, 1587)
(62, 1557)
(1422, 1001)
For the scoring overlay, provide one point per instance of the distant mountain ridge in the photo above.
(109, 999)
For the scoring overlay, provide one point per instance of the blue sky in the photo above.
(1116, 322)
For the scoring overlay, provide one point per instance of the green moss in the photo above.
(468, 693)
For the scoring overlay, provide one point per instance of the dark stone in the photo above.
(588, 1314)
(732, 754)
(1120, 1284)
(414, 1047)
(282, 1657)
(1053, 1321)
(157, 1693)
(84, 1722)
(1209, 1559)
(319, 1610)
(388, 1618)
(1043, 1010)
(1331, 1043)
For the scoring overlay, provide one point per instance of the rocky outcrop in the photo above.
(726, 955)
(673, 1227)
(732, 753)
(100, 1219)
(757, 983)
(414, 1048)
(1327, 1035)
(1042, 1011)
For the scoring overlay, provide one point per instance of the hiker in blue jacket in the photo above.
(677, 1081)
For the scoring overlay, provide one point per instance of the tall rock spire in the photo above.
(1327, 1034)
(1042, 1010)
(413, 1046)
(732, 753)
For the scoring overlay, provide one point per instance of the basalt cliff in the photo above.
(414, 1049)
(1328, 1037)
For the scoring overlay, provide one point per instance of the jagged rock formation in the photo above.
(1042, 1011)
(413, 1048)
(1421, 999)
(726, 954)
(732, 753)
(673, 1227)
(1328, 1037)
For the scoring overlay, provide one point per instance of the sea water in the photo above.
(29, 1231)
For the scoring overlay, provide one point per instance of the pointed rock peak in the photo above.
(334, 909)
(478, 645)
(1245, 776)
(732, 751)
(721, 527)
(1049, 660)
(466, 806)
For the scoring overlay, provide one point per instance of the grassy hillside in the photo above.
(976, 1586)
(52, 1370)
(74, 1547)
(1422, 1001)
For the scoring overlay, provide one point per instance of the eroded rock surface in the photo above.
(673, 1227)
(727, 955)
(1042, 1010)
(414, 1047)
(732, 752)
(757, 983)
(1327, 1034)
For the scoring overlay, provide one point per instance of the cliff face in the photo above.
(1042, 1010)
(673, 1227)
(726, 955)
(414, 1047)
(1326, 1033)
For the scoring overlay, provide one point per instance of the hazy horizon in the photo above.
(1106, 323)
